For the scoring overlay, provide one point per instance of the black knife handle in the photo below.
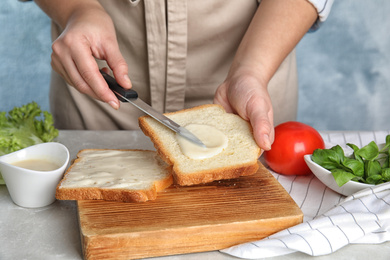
(115, 87)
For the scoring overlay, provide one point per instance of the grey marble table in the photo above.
(52, 232)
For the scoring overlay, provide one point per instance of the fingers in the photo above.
(260, 113)
(75, 51)
(89, 76)
(249, 98)
(79, 69)
(263, 130)
(64, 64)
(119, 67)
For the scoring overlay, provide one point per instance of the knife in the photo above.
(131, 96)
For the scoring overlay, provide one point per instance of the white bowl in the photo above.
(326, 177)
(30, 188)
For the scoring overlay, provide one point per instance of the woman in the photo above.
(178, 54)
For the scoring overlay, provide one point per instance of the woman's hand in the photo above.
(88, 33)
(246, 95)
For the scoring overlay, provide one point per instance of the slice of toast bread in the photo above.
(115, 175)
(239, 158)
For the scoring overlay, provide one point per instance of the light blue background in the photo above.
(344, 68)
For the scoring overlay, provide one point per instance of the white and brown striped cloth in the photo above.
(331, 220)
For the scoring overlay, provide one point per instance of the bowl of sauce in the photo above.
(33, 173)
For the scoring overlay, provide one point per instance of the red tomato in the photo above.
(292, 141)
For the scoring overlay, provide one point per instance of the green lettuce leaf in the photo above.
(25, 126)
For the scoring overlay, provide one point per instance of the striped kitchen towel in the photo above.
(331, 221)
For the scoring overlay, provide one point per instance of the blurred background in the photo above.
(344, 67)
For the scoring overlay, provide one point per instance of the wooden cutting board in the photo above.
(188, 219)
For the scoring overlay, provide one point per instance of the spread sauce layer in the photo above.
(115, 169)
(214, 139)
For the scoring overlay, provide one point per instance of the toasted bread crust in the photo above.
(122, 195)
(214, 175)
(148, 131)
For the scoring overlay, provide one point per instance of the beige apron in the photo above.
(178, 53)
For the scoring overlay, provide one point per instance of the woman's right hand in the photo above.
(89, 33)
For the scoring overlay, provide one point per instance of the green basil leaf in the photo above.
(372, 168)
(387, 144)
(342, 177)
(384, 158)
(355, 149)
(369, 152)
(327, 158)
(355, 166)
(388, 140)
(353, 146)
(386, 174)
(339, 153)
(374, 179)
(387, 159)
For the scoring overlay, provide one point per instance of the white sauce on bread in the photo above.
(114, 169)
(215, 141)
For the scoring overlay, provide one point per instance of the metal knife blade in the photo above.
(131, 96)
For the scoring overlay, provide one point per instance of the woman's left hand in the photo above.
(246, 95)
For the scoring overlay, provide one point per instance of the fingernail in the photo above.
(114, 105)
(126, 77)
(267, 143)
